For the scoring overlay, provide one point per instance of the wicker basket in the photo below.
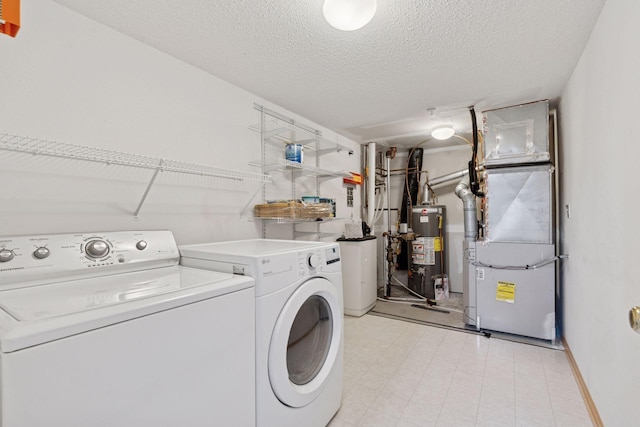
(293, 209)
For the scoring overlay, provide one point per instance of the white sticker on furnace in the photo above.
(480, 273)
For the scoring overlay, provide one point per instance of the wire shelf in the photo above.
(284, 220)
(22, 144)
(282, 134)
(284, 164)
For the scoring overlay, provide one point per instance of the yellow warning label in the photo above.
(506, 292)
(437, 244)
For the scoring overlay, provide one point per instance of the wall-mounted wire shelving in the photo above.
(280, 134)
(288, 131)
(35, 146)
(276, 131)
(281, 220)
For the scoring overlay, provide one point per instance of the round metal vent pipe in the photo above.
(470, 215)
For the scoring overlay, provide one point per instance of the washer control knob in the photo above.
(41, 252)
(141, 245)
(6, 255)
(97, 248)
(313, 260)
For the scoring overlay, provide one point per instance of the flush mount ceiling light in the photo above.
(442, 133)
(349, 15)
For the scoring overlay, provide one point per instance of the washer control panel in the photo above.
(41, 258)
(319, 260)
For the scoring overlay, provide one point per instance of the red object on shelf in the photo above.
(356, 179)
(9, 17)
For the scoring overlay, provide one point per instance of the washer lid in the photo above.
(37, 314)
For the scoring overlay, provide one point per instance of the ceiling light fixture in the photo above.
(349, 15)
(443, 133)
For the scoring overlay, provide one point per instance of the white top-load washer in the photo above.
(106, 329)
(299, 323)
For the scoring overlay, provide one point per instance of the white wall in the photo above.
(599, 168)
(68, 79)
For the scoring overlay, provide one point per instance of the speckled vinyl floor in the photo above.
(403, 374)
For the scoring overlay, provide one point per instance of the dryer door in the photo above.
(306, 342)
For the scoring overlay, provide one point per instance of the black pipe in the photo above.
(474, 183)
(409, 199)
(412, 184)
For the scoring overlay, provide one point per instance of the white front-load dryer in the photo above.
(299, 323)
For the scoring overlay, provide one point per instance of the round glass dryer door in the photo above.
(305, 342)
(309, 340)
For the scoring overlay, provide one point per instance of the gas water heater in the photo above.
(427, 256)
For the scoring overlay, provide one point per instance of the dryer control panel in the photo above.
(39, 259)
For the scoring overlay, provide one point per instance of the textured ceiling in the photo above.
(377, 82)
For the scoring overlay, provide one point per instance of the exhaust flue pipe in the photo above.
(431, 184)
(446, 178)
(425, 193)
(470, 215)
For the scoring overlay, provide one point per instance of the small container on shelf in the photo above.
(294, 152)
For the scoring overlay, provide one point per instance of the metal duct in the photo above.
(425, 194)
(439, 182)
(449, 177)
(470, 215)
